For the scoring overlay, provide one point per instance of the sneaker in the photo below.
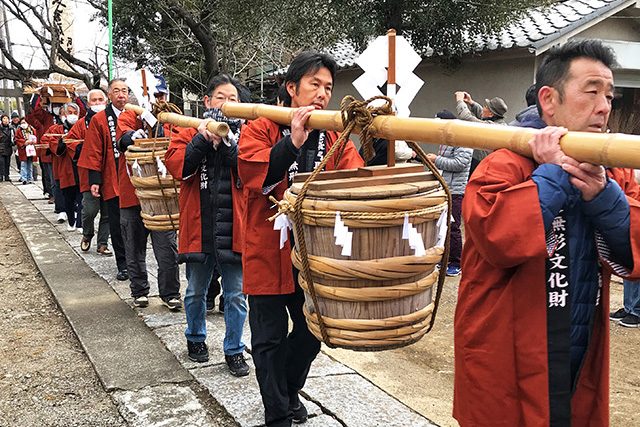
(51, 200)
(198, 351)
(85, 244)
(221, 304)
(141, 301)
(122, 275)
(211, 305)
(71, 227)
(300, 413)
(173, 304)
(453, 271)
(104, 250)
(79, 230)
(630, 321)
(62, 217)
(618, 315)
(237, 365)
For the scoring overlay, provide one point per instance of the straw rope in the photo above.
(372, 324)
(371, 294)
(392, 268)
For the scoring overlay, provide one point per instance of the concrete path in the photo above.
(140, 354)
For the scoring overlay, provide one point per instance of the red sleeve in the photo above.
(77, 133)
(502, 213)
(350, 158)
(127, 121)
(174, 158)
(626, 179)
(93, 148)
(20, 140)
(254, 148)
(52, 137)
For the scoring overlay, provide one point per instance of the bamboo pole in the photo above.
(609, 149)
(217, 128)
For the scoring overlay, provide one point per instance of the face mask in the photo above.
(98, 108)
(71, 118)
(56, 111)
(24, 125)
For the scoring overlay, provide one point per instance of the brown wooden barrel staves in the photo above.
(158, 195)
(382, 296)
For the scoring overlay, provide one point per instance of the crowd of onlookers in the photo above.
(17, 139)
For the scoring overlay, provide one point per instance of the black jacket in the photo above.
(5, 141)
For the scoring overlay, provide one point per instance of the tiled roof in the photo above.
(537, 28)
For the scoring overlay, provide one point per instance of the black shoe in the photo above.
(618, 315)
(630, 321)
(122, 275)
(211, 305)
(221, 304)
(237, 365)
(173, 304)
(198, 351)
(141, 301)
(300, 413)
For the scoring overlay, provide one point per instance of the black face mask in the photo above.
(217, 115)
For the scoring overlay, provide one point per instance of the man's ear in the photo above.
(291, 89)
(548, 99)
(205, 99)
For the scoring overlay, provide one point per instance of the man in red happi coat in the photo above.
(269, 157)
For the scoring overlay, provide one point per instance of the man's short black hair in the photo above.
(307, 62)
(117, 79)
(531, 96)
(219, 80)
(554, 69)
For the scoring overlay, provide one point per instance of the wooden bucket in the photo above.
(382, 296)
(158, 194)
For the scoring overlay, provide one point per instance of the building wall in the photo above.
(493, 74)
(617, 27)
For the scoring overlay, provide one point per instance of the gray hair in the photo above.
(72, 105)
(92, 91)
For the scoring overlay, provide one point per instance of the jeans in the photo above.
(632, 297)
(165, 250)
(282, 358)
(235, 306)
(73, 205)
(26, 170)
(90, 207)
(455, 243)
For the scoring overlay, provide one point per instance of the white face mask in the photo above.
(98, 108)
(56, 111)
(24, 125)
(71, 118)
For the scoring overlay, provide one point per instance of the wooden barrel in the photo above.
(382, 295)
(156, 189)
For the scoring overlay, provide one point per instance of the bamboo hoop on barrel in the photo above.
(217, 128)
(609, 149)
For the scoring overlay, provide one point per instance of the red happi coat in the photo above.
(64, 161)
(78, 132)
(97, 155)
(501, 359)
(51, 138)
(129, 122)
(193, 224)
(41, 120)
(267, 269)
(21, 143)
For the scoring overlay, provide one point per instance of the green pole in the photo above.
(110, 19)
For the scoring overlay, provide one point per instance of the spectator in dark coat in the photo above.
(6, 149)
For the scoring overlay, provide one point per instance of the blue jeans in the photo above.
(632, 297)
(26, 170)
(235, 305)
